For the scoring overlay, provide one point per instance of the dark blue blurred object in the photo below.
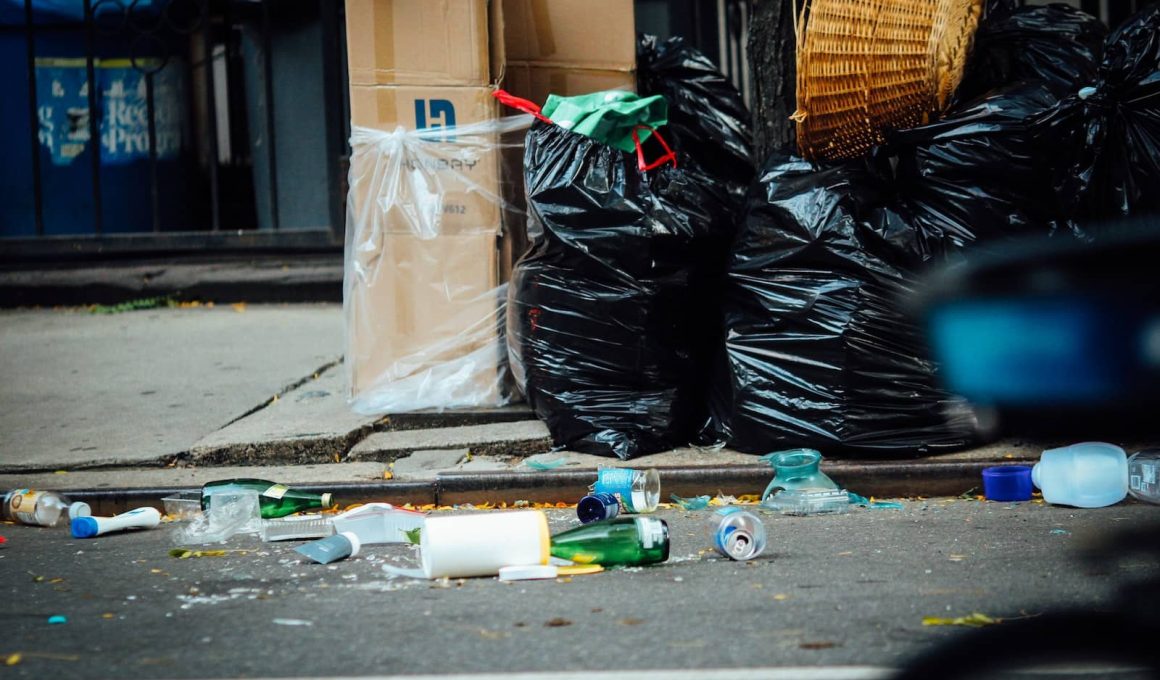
(1056, 336)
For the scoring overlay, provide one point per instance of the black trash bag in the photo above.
(604, 331)
(708, 118)
(1112, 129)
(1057, 45)
(983, 172)
(820, 353)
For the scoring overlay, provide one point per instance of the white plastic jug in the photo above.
(1087, 475)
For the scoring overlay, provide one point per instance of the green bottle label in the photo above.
(276, 491)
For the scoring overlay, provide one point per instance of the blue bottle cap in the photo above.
(596, 507)
(1007, 483)
(83, 527)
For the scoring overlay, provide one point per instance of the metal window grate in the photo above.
(198, 121)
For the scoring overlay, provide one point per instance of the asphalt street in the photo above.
(830, 592)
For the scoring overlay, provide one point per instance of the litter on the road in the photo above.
(736, 533)
(597, 506)
(226, 513)
(41, 508)
(139, 518)
(695, 503)
(274, 500)
(1087, 475)
(638, 490)
(331, 549)
(1007, 483)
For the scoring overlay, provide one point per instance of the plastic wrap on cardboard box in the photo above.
(422, 300)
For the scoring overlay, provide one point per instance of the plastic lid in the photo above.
(1007, 483)
(79, 509)
(84, 527)
(524, 572)
(355, 544)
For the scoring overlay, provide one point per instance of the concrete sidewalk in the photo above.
(164, 398)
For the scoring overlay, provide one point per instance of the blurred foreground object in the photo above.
(1055, 337)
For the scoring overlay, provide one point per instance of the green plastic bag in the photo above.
(609, 117)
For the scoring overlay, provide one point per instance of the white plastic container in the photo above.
(480, 545)
(1087, 475)
(379, 523)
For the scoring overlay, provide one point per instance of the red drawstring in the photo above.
(644, 166)
(520, 104)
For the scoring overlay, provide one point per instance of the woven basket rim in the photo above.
(864, 66)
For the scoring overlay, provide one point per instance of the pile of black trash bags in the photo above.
(709, 303)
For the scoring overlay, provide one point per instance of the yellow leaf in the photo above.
(239, 307)
(108, 615)
(974, 620)
(781, 597)
(387, 474)
(13, 659)
(60, 472)
(155, 571)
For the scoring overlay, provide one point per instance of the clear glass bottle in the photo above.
(736, 533)
(625, 541)
(41, 508)
(1144, 475)
(638, 490)
(274, 500)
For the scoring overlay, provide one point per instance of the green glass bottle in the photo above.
(275, 500)
(627, 541)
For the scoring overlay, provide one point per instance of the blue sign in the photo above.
(63, 106)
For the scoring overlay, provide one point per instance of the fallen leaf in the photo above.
(956, 558)
(824, 644)
(781, 597)
(558, 622)
(108, 615)
(520, 624)
(845, 553)
(630, 621)
(13, 659)
(156, 571)
(239, 307)
(974, 620)
(387, 474)
(493, 634)
(413, 535)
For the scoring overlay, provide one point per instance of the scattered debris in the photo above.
(293, 622)
(545, 465)
(823, 644)
(974, 620)
(695, 503)
(557, 622)
(57, 619)
(1061, 532)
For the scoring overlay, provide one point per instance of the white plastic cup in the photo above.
(1087, 475)
(460, 546)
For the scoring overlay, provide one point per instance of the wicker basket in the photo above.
(866, 66)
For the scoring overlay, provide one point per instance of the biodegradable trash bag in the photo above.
(1112, 128)
(1057, 45)
(982, 172)
(820, 353)
(603, 332)
(708, 118)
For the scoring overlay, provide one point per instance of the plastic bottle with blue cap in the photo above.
(1086, 475)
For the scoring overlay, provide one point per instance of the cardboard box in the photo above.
(423, 325)
(425, 216)
(598, 34)
(536, 82)
(418, 42)
(459, 181)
